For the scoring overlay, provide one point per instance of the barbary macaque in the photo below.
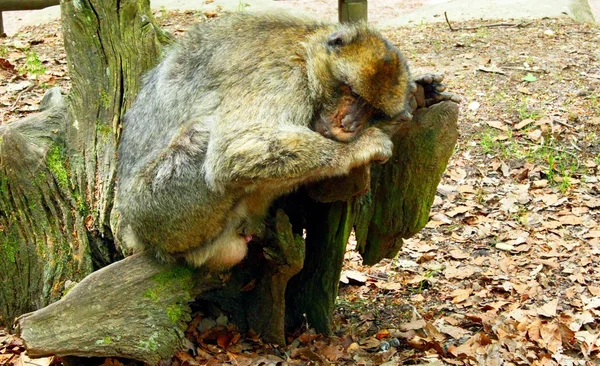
(243, 110)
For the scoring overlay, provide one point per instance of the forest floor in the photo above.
(507, 271)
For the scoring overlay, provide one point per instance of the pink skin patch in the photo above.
(248, 238)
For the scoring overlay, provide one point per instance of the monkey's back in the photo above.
(218, 79)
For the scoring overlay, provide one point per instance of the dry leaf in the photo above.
(498, 125)
(460, 295)
(549, 309)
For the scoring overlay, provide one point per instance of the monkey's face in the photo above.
(368, 83)
(347, 118)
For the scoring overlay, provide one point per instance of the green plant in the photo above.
(559, 164)
(3, 51)
(488, 141)
(33, 65)
(526, 112)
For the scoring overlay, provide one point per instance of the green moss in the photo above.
(41, 248)
(57, 165)
(179, 277)
(11, 246)
(152, 295)
(81, 204)
(151, 344)
(175, 312)
(106, 340)
(105, 99)
(3, 185)
(103, 130)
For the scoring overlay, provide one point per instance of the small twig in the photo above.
(378, 278)
(524, 69)
(563, 123)
(447, 21)
(580, 32)
(495, 25)
(547, 147)
(14, 106)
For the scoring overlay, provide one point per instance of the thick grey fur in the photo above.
(221, 127)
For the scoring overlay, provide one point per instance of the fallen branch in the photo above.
(540, 71)
(494, 25)
(136, 308)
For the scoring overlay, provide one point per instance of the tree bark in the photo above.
(58, 168)
(403, 190)
(43, 236)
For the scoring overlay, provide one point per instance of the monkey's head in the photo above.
(361, 79)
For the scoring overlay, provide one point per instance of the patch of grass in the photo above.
(482, 32)
(33, 65)
(3, 51)
(595, 104)
(560, 164)
(506, 149)
(488, 141)
(525, 111)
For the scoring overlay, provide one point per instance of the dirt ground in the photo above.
(379, 10)
(507, 271)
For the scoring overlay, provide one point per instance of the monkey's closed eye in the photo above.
(349, 88)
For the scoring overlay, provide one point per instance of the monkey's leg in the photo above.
(292, 154)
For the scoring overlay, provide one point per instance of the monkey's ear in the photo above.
(338, 39)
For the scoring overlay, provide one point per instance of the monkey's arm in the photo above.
(293, 154)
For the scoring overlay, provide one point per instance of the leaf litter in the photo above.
(506, 272)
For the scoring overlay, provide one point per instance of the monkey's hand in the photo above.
(374, 145)
(428, 89)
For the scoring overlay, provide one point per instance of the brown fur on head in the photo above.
(362, 78)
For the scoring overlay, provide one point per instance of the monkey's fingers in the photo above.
(441, 97)
(429, 78)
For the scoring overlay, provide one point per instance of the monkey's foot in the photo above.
(225, 252)
(428, 89)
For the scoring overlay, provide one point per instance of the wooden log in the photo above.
(352, 11)
(402, 190)
(136, 308)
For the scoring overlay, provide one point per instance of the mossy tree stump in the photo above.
(57, 180)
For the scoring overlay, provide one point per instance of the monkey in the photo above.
(244, 110)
